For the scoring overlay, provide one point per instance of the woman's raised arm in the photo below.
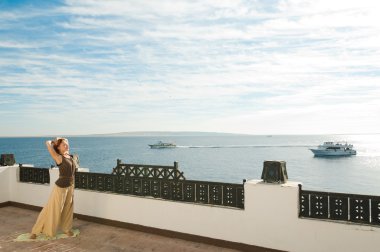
(57, 158)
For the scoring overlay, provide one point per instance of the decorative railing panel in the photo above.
(359, 209)
(340, 206)
(35, 175)
(224, 194)
(375, 211)
(148, 171)
(319, 205)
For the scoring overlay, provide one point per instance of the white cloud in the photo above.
(206, 65)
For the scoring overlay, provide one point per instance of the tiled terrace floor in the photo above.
(93, 237)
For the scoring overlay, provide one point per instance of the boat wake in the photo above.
(241, 146)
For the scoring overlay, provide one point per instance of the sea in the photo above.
(223, 158)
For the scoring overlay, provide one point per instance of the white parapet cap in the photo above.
(27, 165)
(80, 169)
(261, 182)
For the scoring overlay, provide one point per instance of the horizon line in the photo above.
(120, 134)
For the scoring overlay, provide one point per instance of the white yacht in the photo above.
(334, 149)
(162, 145)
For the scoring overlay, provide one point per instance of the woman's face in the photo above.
(64, 146)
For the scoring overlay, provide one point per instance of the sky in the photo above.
(255, 67)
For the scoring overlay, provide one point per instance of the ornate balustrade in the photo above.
(161, 182)
(214, 193)
(165, 182)
(148, 171)
(340, 206)
(34, 175)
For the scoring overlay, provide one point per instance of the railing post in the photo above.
(117, 169)
(299, 199)
(176, 171)
(155, 172)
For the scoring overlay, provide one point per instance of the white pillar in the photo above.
(54, 175)
(5, 180)
(272, 210)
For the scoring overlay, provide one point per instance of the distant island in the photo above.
(139, 134)
(168, 133)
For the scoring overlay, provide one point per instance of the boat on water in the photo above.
(162, 145)
(334, 149)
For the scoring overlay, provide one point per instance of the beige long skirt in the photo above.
(57, 213)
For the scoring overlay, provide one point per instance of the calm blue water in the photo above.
(224, 158)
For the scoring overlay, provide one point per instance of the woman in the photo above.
(58, 212)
